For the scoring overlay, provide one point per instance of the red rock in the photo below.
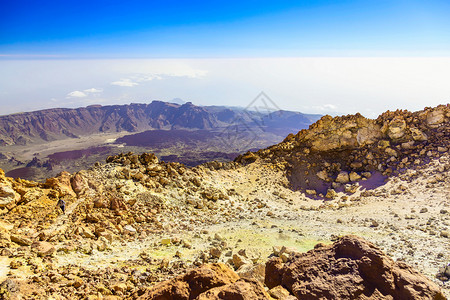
(351, 268)
(78, 184)
(193, 283)
(245, 289)
(117, 204)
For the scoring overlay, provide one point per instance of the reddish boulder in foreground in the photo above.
(193, 283)
(245, 289)
(351, 268)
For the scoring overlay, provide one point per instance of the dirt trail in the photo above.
(62, 218)
(4, 267)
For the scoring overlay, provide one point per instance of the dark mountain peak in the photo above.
(61, 123)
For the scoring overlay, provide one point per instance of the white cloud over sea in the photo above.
(339, 85)
(124, 82)
(93, 90)
(76, 94)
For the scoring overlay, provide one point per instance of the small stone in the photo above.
(164, 264)
(15, 264)
(276, 250)
(279, 293)
(129, 229)
(331, 194)
(442, 149)
(351, 188)
(311, 192)
(343, 177)
(354, 176)
(218, 237)
(119, 287)
(252, 271)
(391, 152)
(322, 175)
(78, 282)
(187, 244)
(21, 240)
(43, 248)
(238, 261)
(366, 174)
(215, 252)
(284, 257)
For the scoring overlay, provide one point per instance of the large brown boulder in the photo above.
(43, 248)
(243, 289)
(78, 183)
(351, 268)
(62, 184)
(193, 283)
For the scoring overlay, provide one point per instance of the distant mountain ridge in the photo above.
(60, 123)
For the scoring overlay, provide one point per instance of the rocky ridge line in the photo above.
(341, 153)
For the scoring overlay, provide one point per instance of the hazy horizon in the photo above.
(309, 85)
(336, 57)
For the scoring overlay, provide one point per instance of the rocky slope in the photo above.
(59, 123)
(335, 153)
(136, 221)
(62, 123)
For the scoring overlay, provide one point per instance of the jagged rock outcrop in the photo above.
(319, 158)
(351, 268)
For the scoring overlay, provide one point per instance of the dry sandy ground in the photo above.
(26, 153)
(408, 218)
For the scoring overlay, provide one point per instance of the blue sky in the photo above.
(335, 57)
(186, 29)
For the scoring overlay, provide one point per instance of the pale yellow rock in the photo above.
(342, 177)
(354, 176)
(396, 128)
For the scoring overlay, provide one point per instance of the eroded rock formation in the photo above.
(351, 268)
(352, 149)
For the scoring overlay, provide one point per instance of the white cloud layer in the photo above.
(337, 85)
(76, 94)
(93, 90)
(136, 79)
(124, 82)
